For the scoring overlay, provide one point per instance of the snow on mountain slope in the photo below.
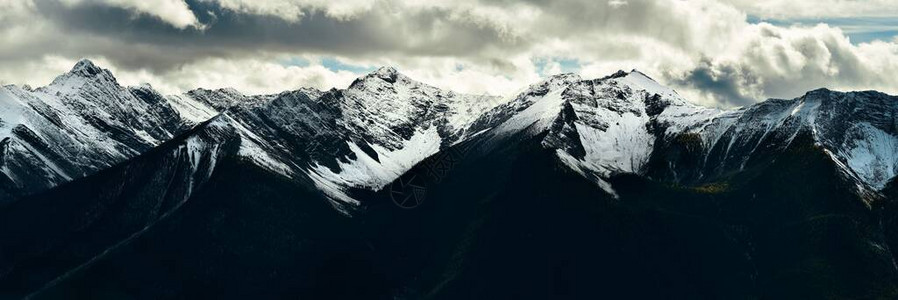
(612, 124)
(386, 106)
(369, 134)
(222, 99)
(532, 108)
(362, 137)
(871, 153)
(599, 127)
(373, 174)
(616, 125)
(858, 128)
(367, 172)
(401, 122)
(191, 110)
(82, 122)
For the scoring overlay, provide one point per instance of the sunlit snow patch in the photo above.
(366, 172)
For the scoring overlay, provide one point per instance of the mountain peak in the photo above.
(557, 80)
(639, 73)
(640, 81)
(86, 67)
(388, 74)
(618, 74)
(84, 71)
(385, 71)
(567, 75)
(820, 91)
(624, 74)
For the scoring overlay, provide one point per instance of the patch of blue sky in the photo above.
(336, 65)
(569, 65)
(859, 30)
(566, 65)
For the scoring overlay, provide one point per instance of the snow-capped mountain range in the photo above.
(618, 124)
(82, 122)
(394, 189)
(367, 135)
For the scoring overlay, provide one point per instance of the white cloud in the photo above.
(617, 3)
(706, 49)
(264, 76)
(472, 78)
(251, 76)
(38, 72)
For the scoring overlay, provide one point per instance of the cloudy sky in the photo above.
(715, 52)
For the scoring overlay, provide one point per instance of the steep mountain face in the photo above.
(515, 221)
(600, 127)
(83, 122)
(507, 219)
(221, 99)
(604, 188)
(786, 218)
(857, 129)
(360, 138)
(200, 200)
(393, 123)
(628, 124)
(79, 222)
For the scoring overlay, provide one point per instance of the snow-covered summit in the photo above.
(364, 136)
(85, 72)
(85, 67)
(640, 81)
(396, 102)
(82, 122)
(622, 122)
(388, 74)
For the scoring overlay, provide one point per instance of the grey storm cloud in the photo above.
(724, 82)
(382, 31)
(423, 33)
